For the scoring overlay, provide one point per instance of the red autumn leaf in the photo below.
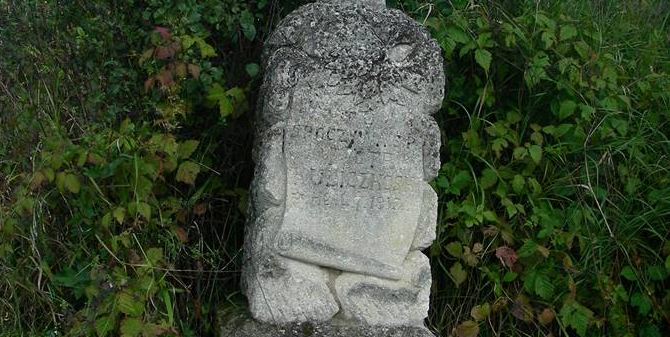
(198, 310)
(507, 255)
(165, 33)
(168, 51)
(180, 233)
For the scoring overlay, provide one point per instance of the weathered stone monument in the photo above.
(340, 205)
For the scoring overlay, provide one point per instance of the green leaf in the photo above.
(528, 248)
(455, 249)
(106, 220)
(247, 25)
(543, 286)
(576, 316)
(489, 178)
(119, 214)
(252, 69)
(186, 41)
(71, 183)
(131, 327)
(517, 183)
(483, 58)
(206, 50)
(535, 153)
(187, 148)
(187, 172)
(548, 39)
(582, 49)
(457, 35)
(657, 273)
(649, 330)
(154, 255)
(129, 303)
(510, 276)
(458, 275)
(144, 210)
(628, 273)
(568, 32)
(621, 292)
(566, 109)
(226, 107)
(103, 325)
(587, 111)
(642, 302)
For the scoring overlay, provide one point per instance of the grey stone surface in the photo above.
(376, 301)
(345, 147)
(251, 328)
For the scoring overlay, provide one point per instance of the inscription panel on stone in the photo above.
(354, 189)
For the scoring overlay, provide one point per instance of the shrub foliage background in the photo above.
(125, 139)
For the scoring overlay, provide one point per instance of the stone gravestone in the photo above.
(340, 203)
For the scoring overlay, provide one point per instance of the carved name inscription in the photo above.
(353, 192)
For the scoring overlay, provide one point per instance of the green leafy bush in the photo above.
(554, 188)
(125, 140)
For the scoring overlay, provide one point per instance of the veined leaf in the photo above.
(187, 172)
(483, 58)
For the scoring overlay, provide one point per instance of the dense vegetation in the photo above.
(125, 139)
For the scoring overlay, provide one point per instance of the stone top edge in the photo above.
(375, 4)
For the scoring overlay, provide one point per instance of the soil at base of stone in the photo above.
(251, 328)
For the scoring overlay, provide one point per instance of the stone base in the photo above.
(249, 328)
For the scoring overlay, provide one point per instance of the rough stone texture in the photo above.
(345, 147)
(370, 300)
(251, 328)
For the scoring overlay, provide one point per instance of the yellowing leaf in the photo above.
(187, 172)
(119, 214)
(206, 50)
(141, 208)
(546, 316)
(37, 181)
(144, 210)
(187, 148)
(480, 312)
(71, 183)
(467, 329)
(458, 275)
(226, 107)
